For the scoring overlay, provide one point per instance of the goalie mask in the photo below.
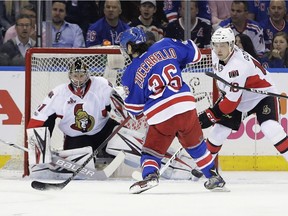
(78, 74)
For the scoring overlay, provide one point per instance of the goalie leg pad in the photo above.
(65, 162)
(128, 141)
(181, 167)
(77, 156)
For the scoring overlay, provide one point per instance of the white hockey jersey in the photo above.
(245, 71)
(79, 116)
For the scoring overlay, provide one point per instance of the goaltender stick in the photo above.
(83, 106)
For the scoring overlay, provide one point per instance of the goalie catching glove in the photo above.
(210, 117)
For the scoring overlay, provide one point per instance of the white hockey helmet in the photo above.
(78, 73)
(223, 35)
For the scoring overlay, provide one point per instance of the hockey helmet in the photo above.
(134, 35)
(78, 73)
(223, 35)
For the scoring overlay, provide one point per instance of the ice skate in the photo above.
(152, 180)
(216, 182)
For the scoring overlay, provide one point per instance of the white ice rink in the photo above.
(252, 194)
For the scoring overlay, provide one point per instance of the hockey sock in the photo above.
(214, 149)
(282, 147)
(150, 164)
(203, 158)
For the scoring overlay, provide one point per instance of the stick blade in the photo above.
(47, 186)
(113, 166)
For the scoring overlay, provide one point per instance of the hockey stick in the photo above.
(59, 186)
(15, 145)
(244, 88)
(138, 175)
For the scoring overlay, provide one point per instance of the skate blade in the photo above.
(137, 189)
(220, 189)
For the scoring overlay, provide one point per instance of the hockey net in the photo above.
(47, 67)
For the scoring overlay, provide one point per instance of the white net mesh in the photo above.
(47, 68)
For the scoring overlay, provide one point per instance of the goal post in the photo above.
(47, 67)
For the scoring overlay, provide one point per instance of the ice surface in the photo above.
(252, 194)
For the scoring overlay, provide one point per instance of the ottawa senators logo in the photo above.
(266, 110)
(83, 121)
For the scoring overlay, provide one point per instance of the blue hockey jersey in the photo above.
(101, 31)
(153, 82)
(269, 30)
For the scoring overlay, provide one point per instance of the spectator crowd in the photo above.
(99, 23)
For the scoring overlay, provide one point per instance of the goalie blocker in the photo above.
(47, 164)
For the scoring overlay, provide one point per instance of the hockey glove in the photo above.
(209, 118)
